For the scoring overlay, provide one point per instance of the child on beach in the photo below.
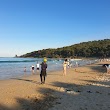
(37, 66)
(32, 69)
(24, 69)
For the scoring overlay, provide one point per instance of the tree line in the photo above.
(100, 49)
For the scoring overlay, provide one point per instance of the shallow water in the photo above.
(14, 67)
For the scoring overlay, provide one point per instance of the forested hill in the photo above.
(100, 48)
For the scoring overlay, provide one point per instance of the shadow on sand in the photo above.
(67, 96)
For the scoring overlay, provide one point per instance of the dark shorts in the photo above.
(37, 68)
(32, 68)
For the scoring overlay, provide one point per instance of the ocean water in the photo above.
(14, 67)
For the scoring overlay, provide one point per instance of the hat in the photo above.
(45, 59)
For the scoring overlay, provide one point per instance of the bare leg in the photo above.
(64, 71)
(41, 78)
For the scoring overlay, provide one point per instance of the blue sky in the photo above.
(30, 25)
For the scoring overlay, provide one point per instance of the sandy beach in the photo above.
(83, 88)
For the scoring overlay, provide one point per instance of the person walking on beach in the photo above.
(43, 71)
(64, 67)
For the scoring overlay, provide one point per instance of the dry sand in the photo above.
(86, 88)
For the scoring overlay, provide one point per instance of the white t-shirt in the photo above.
(37, 65)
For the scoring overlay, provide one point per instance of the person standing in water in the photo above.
(37, 66)
(43, 71)
(24, 69)
(32, 69)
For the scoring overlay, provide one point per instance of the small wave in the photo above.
(17, 61)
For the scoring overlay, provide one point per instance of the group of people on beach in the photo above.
(66, 64)
(43, 73)
(32, 68)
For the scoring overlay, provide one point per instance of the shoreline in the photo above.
(29, 73)
(75, 90)
(11, 67)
